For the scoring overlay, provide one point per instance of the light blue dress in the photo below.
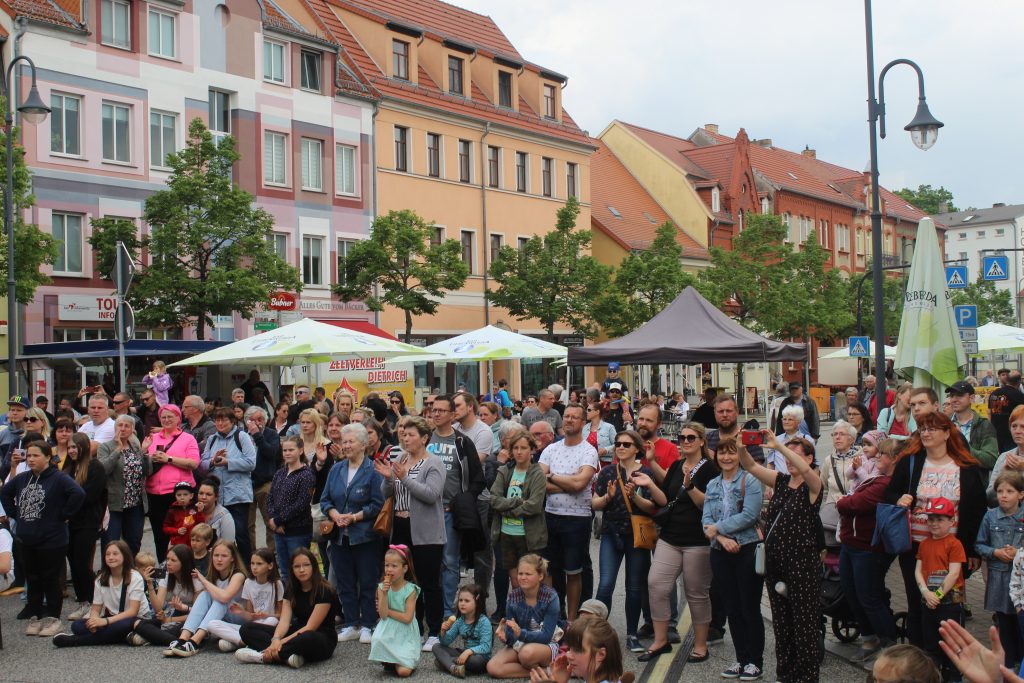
(394, 642)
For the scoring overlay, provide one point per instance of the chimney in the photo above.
(943, 207)
(810, 153)
(998, 204)
(764, 142)
(711, 127)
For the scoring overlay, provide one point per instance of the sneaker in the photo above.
(247, 655)
(65, 640)
(33, 627)
(645, 631)
(49, 627)
(169, 650)
(184, 648)
(365, 636)
(296, 661)
(429, 643)
(226, 646)
(733, 671)
(750, 673)
(348, 633)
(715, 635)
(459, 670)
(633, 644)
(135, 640)
(81, 612)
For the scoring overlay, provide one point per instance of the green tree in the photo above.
(411, 272)
(34, 248)
(817, 310)
(645, 283)
(893, 288)
(549, 278)
(106, 233)
(930, 200)
(211, 249)
(994, 305)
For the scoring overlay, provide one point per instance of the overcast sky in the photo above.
(795, 71)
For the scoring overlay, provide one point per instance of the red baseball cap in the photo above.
(940, 506)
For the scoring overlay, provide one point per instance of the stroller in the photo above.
(835, 607)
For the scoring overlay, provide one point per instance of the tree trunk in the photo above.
(740, 397)
(408, 327)
(201, 327)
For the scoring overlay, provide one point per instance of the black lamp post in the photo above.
(924, 130)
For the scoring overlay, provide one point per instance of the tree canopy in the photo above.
(930, 200)
(995, 305)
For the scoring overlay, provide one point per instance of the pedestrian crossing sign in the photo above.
(995, 267)
(956, 277)
(859, 347)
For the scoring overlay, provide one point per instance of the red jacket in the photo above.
(857, 513)
(890, 398)
(178, 517)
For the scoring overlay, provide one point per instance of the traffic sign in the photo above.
(995, 267)
(969, 334)
(124, 322)
(970, 347)
(956, 277)
(859, 347)
(265, 325)
(123, 267)
(966, 315)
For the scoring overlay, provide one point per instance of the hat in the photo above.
(795, 385)
(960, 388)
(940, 506)
(613, 367)
(19, 400)
(184, 486)
(615, 386)
(171, 407)
(874, 437)
(595, 607)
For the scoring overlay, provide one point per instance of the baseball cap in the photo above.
(19, 400)
(795, 385)
(615, 386)
(960, 388)
(613, 366)
(940, 506)
(595, 607)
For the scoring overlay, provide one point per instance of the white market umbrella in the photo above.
(997, 337)
(929, 351)
(301, 343)
(488, 344)
(890, 352)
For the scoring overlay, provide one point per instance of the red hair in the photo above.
(957, 449)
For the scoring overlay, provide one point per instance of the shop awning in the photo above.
(107, 348)
(359, 326)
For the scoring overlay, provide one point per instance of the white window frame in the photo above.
(439, 235)
(824, 234)
(110, 38)
(308, 240)
(62, 245)
(281, 237)
(319, 69)
(174, 134)
(269, 48)
(494, 183)
(270, 138)
(472, 249)
(787, 220)
(114, 106)
(161, 17)
(342, 153)
(491, 252)
(716, 200)
(546, 88)
(765, 206)
(312, 165)
(547, 176)
(63, 124)
(213, 108)
(342, 251)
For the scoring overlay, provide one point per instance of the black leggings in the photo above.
(313, 646)
(154, 633)
(427, 560)
(158, 507)
(43, 567)
(81, 550)
(446, 656)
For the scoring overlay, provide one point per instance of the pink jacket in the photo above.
(184, 446)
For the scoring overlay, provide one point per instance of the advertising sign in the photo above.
(91, 307)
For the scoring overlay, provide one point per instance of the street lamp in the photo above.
(924, 130)
(34, 111)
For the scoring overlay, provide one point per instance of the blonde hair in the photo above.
(911, 664)
(44, 424)
(318, 421)
(539, 564)
(145, 559)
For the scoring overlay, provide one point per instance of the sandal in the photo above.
(696, 658)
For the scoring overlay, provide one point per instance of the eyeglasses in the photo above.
(441, 410)
(32, 419)
(688, 438)
(395, 402)
(929, 430)
(625, 444)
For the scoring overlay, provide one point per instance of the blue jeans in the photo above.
(240, 513)
(615, 547)
(127, 524)
(205, 610)
(452, 562)
(862, 576)
(356, 568)
(284, 546)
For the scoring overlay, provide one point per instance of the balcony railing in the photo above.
(891, 260)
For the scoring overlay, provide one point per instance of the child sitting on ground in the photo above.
(145, 564)
(183, 515)
(202, 539)
(474, 627)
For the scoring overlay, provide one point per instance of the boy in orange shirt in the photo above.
(939, 573)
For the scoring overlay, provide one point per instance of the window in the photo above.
(549, 101)
(310, 67)
(162, 137)
(344, 247)
(312, 165)
(496, 243)
(570, 180)
(280, 243)
(223, 328)
(434, 155)
(843, 238)
(493, 165)
(345, 169)
(115, 23)
(765, 206)
(521, 164)
(962, 235)
(547, 166)
(437, 237)
(464, 161)
(161, 34)
(1000, 232)
(116, 145)
(67, 231)
(825, 235)
(860, 243)
(716, 200)
(401, 148)
(400, 59)
(521, 243)
(312, 260)
(274, 158)
(65, 119)
(787, 220)
(220, 114)
(273, 61)
(962, 256)
(467, 248)
(455, 75)
(980, 234)
(505, 89)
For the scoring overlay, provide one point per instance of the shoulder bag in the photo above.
(829, 513)
(892, 523)
(661, 516)
(645, 533)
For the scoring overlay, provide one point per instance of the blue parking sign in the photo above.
(966, 315)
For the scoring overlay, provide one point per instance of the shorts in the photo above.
(568, 542)
(512, 549)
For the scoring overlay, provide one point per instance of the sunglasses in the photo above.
(395, 403)
(625, 444)
(688, 438)
(32, 419)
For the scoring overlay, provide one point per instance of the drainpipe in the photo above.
(486, 245)
(373, 191)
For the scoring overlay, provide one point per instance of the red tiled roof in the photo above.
(716, 160)
(672, 148)
(278, 18)
(64, 13)
(611, 185)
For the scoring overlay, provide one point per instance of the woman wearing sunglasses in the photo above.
(682, 547)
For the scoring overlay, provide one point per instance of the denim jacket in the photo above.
(740, 525)
(362, 494)
(998, 530)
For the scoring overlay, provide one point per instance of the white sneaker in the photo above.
(83, 609)
(365, 636)
(348, 633)
(226, 646)
(296, 661)
(247, 655)
(429, 643)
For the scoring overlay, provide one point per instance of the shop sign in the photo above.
(86, 307)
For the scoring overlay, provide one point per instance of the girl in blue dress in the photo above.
(396, 640)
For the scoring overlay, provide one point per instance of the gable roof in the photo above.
(972, 217)
(672, 148)
(639, 214)
(62, 13)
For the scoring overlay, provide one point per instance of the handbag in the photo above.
(829, 512)
(645, 533)
(661, 517)
(385, 518)
(892, 524)
(761, 551)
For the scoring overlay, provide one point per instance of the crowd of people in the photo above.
(373, 515)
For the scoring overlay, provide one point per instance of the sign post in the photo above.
(124, 319)
(967, 320)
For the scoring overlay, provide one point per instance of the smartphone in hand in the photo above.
(751, 437)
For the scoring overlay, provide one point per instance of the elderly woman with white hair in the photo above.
(833, 475)
(351, 500)
(792, 420)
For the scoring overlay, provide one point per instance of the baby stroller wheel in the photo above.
(901, 626)
(846, 630)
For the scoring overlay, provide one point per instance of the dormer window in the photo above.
(400, 59)
(504, 89)
(716, 200)
(455, 66)
(550, 111)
